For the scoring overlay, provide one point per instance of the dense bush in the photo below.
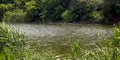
(32, 11)
(112, 10)
(51, 10)
(96, 16)
(68, 16)
(4, 8)
(14, 16)
(91, 11)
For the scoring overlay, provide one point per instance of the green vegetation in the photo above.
(70, 11)
(12, 47)
(14, 16)
(68, 16)
(111, 10)
(11, 43)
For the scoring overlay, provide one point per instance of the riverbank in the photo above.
(75, 48)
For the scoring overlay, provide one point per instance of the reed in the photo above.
(105, 50)
(11, 43)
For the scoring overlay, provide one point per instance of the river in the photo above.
(58, 36)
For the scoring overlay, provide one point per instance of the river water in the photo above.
(58, 36)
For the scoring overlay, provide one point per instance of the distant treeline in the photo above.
(68, 11)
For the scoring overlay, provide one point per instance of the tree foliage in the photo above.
(112, 10)
(14, 16)
(63, 10)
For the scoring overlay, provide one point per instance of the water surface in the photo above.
(58, 36)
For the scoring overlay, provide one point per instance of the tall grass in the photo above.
(11, 43)
(116, 44)
(104, 50)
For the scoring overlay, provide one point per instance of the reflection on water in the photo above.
(58, 36)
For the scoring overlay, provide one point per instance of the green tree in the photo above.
(112, 10)
(52, 10)
(83, 9)
(17, 15)
(4, 8)
(32, 11)
(68, 16)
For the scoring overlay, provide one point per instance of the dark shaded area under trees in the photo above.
(68, 11)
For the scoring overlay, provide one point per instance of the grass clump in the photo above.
(104, 50)
(11, 43)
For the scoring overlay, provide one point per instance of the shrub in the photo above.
(68, 16)
(111, 10)
(14, 16)
(96, 16)
(4, 8)
(30, 5)
(32, 13)
(51, 10)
